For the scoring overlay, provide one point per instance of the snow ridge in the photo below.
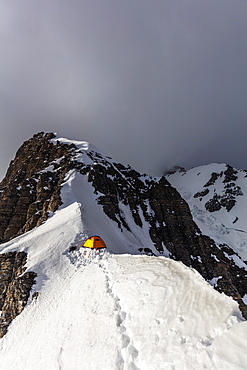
(135, 312)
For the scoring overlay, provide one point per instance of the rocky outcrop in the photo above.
(15, 287)
(31, 187)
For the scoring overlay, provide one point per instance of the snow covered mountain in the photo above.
(129, 307)
(217, 196)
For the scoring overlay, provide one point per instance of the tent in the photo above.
(94, 242)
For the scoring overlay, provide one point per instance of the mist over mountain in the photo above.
(152, 83)
(169, 290)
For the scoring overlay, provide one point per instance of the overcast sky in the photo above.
(152, 83)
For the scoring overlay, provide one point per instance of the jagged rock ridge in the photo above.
(31, 189)
(15, 286)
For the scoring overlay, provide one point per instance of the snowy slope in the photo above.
(202, 185)
(78, 189)
(113, 310)
(95, 222)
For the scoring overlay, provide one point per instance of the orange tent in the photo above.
(94, 242)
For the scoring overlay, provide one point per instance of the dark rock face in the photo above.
(31, 188)
(15, 287)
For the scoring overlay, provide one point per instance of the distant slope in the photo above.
(217, 196)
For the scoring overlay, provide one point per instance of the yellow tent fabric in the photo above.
(94, 242)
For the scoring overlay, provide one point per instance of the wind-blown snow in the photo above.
(112, 311)
(82, 148)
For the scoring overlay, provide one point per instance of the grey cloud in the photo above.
(153, 84)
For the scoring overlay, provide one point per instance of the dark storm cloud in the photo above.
(151, 83)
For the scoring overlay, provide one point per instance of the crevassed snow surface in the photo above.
(110, 311)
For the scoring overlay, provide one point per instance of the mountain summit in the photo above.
(58, 193)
